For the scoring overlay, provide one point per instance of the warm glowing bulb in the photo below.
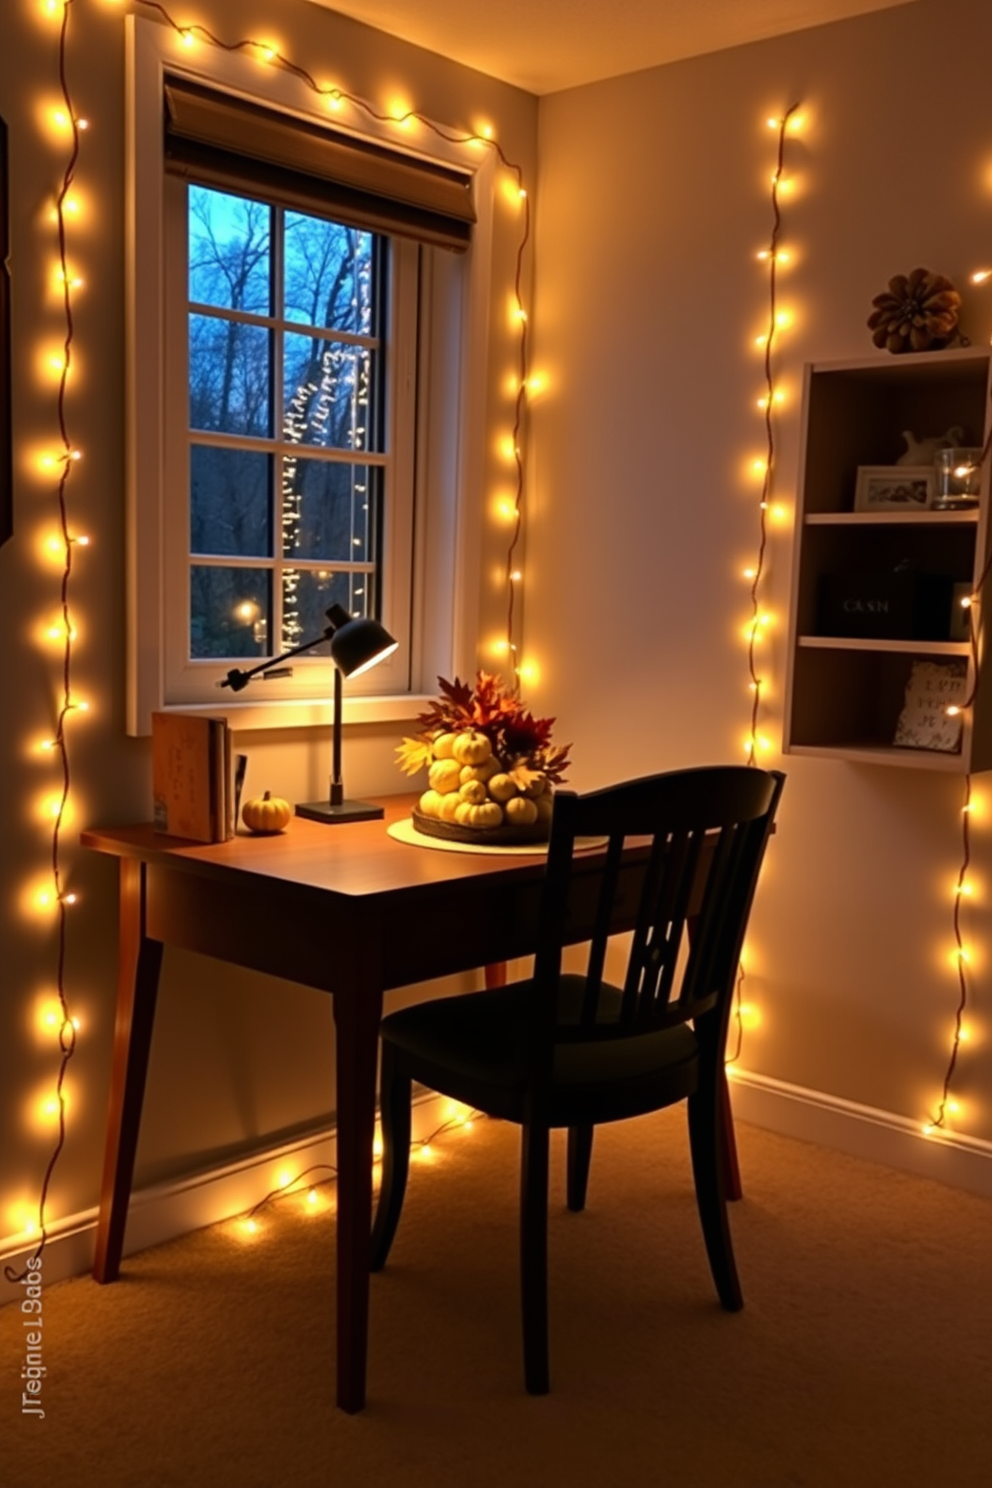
(250, 1226)
(312, 1196)
(966, 602)
(980, 276)
(750, 573)
(377, 1146)
(516, 576)
(334, 101)
(187, 38)
(952, 711)
(928, 1128)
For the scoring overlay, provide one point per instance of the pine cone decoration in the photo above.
(918, 313)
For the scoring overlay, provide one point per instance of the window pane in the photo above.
(230, 502)
(328, 274)
(328, 509)
(229, 260)
(306, 594)
(228, 376)
(326, 390)
(229, 611)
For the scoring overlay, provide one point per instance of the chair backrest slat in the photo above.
(601, 931)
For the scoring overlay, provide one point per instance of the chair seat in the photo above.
(473, 1048)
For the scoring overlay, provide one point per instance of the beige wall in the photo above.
(653, 199)
(237, 1059)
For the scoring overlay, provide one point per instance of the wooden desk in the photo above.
(343, 908)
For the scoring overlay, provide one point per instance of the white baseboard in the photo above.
(863, 1131)
(166, 1210)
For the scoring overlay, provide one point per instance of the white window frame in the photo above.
(431, 602)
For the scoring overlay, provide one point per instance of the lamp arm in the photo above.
(236, 679)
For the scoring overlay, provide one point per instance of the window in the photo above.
(308, 391)
(286, 388)
(291, 412)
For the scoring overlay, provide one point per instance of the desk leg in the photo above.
(356, 1015)
(139, 963)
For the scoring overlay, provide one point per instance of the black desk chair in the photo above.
(566, 1050)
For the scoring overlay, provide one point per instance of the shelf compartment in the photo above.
(856, 414)
(846, 701)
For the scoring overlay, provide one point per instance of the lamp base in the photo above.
(323, 811)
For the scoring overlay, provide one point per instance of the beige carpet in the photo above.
(863, 1356)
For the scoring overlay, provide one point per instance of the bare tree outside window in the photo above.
(286, 435)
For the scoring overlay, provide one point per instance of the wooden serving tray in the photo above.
(455, 832)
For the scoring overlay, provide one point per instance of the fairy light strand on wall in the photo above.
(756, 572)
(337, 98)
(947, 1105)
(65, 462)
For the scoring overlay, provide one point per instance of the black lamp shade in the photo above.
(359, 643)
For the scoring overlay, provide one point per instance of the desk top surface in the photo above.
(355, 859)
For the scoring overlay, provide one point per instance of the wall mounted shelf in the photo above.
(845, 693)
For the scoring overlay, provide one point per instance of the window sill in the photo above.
(310, 712)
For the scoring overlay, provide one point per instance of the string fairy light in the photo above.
(400, 116)
(64, 462)
(768, 403)
(773, 255)
(296, 1183)
(971, 603)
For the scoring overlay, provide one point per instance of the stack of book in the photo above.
(191, 777)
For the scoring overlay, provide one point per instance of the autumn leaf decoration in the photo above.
(521, 742)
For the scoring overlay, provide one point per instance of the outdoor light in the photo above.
(357, 643)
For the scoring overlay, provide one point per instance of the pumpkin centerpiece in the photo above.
(491, 766)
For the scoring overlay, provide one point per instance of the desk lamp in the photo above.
(357, 643)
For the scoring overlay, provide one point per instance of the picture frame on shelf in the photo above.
(896, 488)
(924, 723)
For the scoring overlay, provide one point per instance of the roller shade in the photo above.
(226, 142)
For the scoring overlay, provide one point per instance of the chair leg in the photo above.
(705, 1141)
(394, 1108)
(534, 1257)
(579, 1157)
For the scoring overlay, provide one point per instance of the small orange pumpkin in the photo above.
(266, 814)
